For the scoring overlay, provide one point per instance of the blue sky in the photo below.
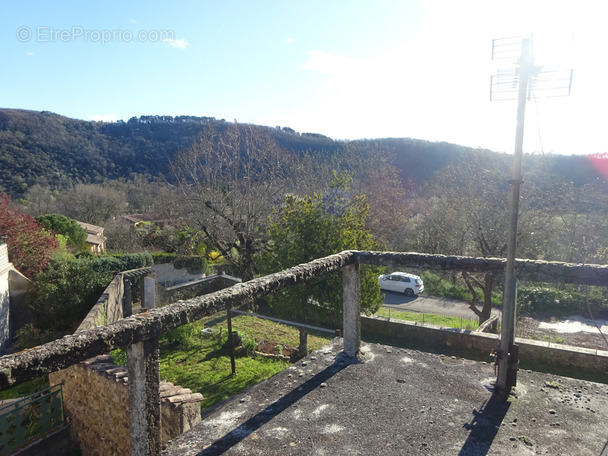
(346, 69)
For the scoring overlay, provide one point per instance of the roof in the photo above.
(91, 229)
(148, 217)
(94, 233)
(399, 401)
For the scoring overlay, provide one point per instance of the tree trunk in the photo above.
(486, 310)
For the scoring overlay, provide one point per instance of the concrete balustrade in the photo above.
(140, 333)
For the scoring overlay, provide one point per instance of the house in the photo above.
(12, 290)
(96, 241)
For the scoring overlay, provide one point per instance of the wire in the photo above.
(538, 129)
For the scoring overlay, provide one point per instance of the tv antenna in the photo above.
(518, 81)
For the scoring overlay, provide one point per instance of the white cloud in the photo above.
(30, 54)
(180, 44)
(105, 118)
(289, 40)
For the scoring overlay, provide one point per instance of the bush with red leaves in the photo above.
(29, 246)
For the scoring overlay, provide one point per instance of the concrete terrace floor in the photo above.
(397, 401)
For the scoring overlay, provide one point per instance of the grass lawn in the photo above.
(440, 320)
(25, 389)
(197, 361)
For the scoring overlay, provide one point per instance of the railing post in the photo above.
(303, 347)
(144, 398)
(149, 294)
(127, 300)
(351, 313)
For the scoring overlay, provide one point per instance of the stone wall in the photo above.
(168, 275)
(108, 308)
(532, 354)
(100, 421)
(168, 295)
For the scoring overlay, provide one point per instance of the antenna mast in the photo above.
(503, 86)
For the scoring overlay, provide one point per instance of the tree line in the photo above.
(236, 192)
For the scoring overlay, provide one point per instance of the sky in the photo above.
(344, 69)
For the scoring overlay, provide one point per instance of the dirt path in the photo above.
(531, 328)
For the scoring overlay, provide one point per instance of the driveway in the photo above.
(430, 304)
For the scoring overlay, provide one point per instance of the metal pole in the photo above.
(507, 360)
(230, 340)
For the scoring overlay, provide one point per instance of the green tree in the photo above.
(75, 235)
(311, 227)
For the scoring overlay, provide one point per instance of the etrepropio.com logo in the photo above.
(46, 34)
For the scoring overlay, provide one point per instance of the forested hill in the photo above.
(46, 148)
(42, 147)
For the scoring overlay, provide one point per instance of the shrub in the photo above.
(119, 357)
(185, 336)
(194, 264)
(61, 296)
(29, 245)
(116, 263)
(162, 257)
(30, 336)
(249, 343)
(543, 299)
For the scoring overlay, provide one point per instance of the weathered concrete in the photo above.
(397, 401)
(56, 355)
(187, 290)
(351, 309)
(149, 295)
(533, 354)
(114, 304)
(30, 364)
(145, 328)
(144, 399)
(531, 270)
(108, 308)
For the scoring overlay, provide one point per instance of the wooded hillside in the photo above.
(52, 150)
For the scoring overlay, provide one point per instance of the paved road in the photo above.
(429, 304)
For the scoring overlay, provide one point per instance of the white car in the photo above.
(401, 282)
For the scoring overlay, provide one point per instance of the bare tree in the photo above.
(229, 181)
(92, 203)
(39, 200)
(388, 202)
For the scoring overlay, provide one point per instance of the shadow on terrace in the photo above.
(385, 399)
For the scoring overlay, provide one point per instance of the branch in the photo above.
(467, 280)
(216, 211)
(475, 310)
(472, 306)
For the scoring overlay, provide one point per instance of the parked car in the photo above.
(401, 282)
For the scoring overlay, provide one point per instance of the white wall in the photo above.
(5, 267)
